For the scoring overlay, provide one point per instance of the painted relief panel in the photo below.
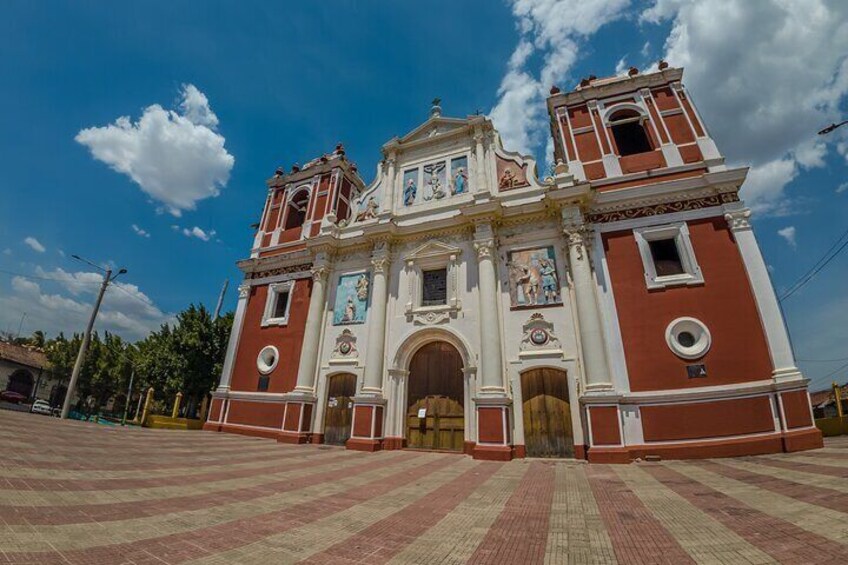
(459, 175)
(434, 181)
(511, 175)
(410, 186)
(533, 278)
(351, 299)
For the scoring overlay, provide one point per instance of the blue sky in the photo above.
(278, 83)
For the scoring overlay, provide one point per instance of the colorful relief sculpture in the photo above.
(351, 299)
(459, 170)
(410, 188)
(370, 211)
(533, 279)
(435, 182)
(508, 179)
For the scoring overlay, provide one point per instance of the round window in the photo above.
(688, 338)
(267, 359)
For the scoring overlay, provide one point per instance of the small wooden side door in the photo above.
(338, 414)
(547, 414)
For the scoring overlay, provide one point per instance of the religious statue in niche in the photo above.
(435, 181)
(410, 188)
(351, 299)
(459, 175)
(508, 179)
(370, 210)
(533, 279)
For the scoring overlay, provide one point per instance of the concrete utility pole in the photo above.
(221, 299)
(107, 278)
(129, 396)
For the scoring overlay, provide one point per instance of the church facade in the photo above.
(616, 309)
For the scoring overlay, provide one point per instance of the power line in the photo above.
(822, 360)
(830, 374)
(825, 259)
(52, 279)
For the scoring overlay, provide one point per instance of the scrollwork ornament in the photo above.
(739, 219)
(244, 290)
(380, 264)
(319, 272)
(485, 248)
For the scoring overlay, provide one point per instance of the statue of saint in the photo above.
(370, 211)
(362, 288)
(436, 186)
(409, 192)
(460, 181)
(349, 311)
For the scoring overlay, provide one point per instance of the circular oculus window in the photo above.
(267, 359)
(688, 338)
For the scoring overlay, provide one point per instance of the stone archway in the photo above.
(21, 381)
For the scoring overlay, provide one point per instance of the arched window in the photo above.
(296, 209)
(628, 129)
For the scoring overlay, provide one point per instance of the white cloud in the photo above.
(139, 231)
(765, 76)
(126, 310)
(555, 29)
(199, 233)
(788, 233)
(842, 188)
(176, 157)
(35, 244)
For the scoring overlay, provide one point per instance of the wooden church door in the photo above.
(339, 411)
(547, 414)
(435, 414)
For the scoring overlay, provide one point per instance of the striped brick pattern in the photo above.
(76, 493)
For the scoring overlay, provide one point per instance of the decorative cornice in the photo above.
(663, 208)
(739, 219)
(291, 269)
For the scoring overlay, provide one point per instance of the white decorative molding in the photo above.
(432, 255)
(679, 232)
(688, 338)
(345, 350)
(538, 337)
(267, 359)
(274, 292)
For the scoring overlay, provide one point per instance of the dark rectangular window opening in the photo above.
(666, 257)
(281, 305)
(631, 139)
(435, 288)
(262, 386)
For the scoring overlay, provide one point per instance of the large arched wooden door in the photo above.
(338, 414)
(21, 382)
(547, 414)
(435, 416)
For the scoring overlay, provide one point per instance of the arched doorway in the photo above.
(435, 417)
(339, 411)
(21, 382)
(547, 414)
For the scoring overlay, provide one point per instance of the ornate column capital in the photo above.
(244, 290)
(380, 264)
(320, 272)
(738, 220)
(485, 248)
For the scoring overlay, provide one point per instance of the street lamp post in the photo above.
(107, 278)
(832, 127)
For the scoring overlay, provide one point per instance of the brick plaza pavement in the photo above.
(72, 492)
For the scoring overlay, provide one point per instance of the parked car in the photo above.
(42, 407)
(12, 396)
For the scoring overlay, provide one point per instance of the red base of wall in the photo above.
(493, 452)
(360, 444)
(212, 427)
(468, 447)
(615, 455)
(519, 451)
(392, 443)
(293, 437)
(580, 451)
(802, 440)
(269, 433)
(316, 438)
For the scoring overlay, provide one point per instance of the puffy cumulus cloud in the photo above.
(554, 30)
(176, 157)
(788, 233)
(198, 233)
(66, 306)
(139, 231)
(34, 244)
(765, 76)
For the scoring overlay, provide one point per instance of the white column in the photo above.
(777, 337)
(235, 335)
(312, 330)
(389, 186)
(375, 351)
(491, 363)
(480, 161)
(595, 364)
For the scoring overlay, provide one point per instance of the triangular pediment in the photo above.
(434, 128)
(432, 249)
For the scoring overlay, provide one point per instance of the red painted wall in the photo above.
(796, 409)
(724, 303)
(605, 428)
(490, 423)
(700, 420)
(264, 414)
(287, 339)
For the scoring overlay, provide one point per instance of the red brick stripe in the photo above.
(819, 496)
(637, 536)
(520, 533)
(85, 513)
(386, 538)
(782, 540)
(185, 546)
(840, 472)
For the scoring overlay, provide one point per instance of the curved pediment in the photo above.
(433, 249)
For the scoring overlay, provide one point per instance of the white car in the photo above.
(41, 407)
